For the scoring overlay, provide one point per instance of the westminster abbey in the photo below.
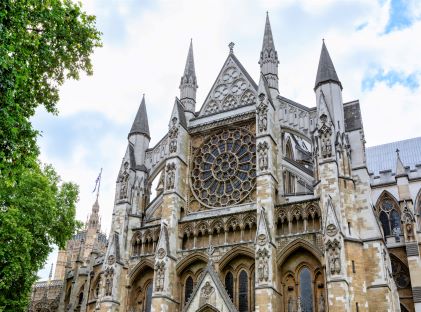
(251, 202)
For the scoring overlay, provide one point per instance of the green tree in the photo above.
(42, 43)
(38, 213)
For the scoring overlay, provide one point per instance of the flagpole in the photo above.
(99, 184)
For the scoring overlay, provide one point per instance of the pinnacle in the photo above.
(189, 69)
(268, 38)
(140, 123)
(326, 71)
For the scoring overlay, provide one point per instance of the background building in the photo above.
(254, 203)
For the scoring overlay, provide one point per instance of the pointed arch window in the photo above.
(243, 300)
(389, 217)
(229, 284)
(306, 290)
(188, 289)
(148, 299)
(289, 153)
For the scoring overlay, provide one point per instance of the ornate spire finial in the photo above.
(231, 46)
(397, 152)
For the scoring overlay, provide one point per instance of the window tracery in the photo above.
(389, 216)
(400, 272)
(224, 168)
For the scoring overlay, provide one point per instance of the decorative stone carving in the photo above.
(331, 230)
(262, 110)
(408, 220)
(170, 176)
(223, 168)
(262, 149)
(109, 275)
(161, 253)
(400, 273)
(321, 303)
(333, 250)
(159, 276)
(206, 291)
(124, 180)
(299, 308)
(262, 239)
(111, 259)
(173, 135)
(263, 265)
(325, 134)
(290, 304)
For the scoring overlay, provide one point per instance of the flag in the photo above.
(97, 181)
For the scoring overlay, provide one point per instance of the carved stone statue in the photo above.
(290, 304)
(299, 308)
(109, 275)
(321, 303)
(262, 117)
(124, 180)
(262, 149)
(170, 176)
(160, 276)
(206, 292)
(334, 256)
(173, 135)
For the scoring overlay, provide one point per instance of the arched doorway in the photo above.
(302, 281)
(141, 282)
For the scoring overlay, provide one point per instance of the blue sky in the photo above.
(374, 46)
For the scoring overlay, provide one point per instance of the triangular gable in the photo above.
(262, 231)
(331, 225)
(178, 112)
(232, 88)
(209, 292)
(264, 88)
(163, 247)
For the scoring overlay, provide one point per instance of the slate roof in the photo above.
(383, 157)
(326, 71)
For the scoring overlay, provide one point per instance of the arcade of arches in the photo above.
(300, 281)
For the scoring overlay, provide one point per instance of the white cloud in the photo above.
(145, 49)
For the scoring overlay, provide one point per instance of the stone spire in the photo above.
(188, 83)
(269, 57)
(140, 123)
(94, 217)
(326, 71)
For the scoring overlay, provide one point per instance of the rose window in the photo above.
(224, 168)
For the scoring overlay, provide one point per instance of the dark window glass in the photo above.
(148, 301)
(385, 223)
(395, 222)
(306, 290)
(243, 302)
(229, 284)
(188, 289)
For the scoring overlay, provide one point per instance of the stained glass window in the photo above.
(243, 304)
(223, 169)
(148, 301)
(229, 284)
(306, 290)
(188, 289)
(385, 223)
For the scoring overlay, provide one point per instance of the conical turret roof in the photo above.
(140, 123)
(326, 71)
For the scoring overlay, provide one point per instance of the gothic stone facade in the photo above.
(261, 204)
